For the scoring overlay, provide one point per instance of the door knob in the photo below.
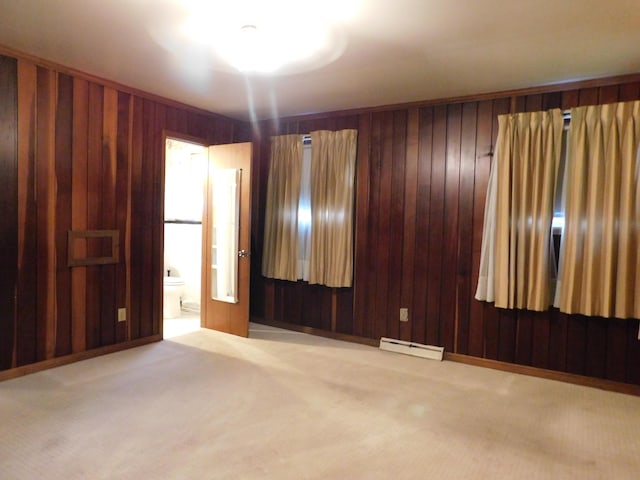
(243, 253)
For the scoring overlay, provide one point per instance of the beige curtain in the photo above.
(600, 263)
(281, 216)
(333, 164)
(522, 191)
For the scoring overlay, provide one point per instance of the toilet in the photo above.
(173, 287)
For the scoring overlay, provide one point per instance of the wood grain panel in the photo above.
(524, 337)
(157, 199)
(137, 244)
(145, 222)
(63, 176)
(410, 219)
(633, 352)
(540, 339)
(629, 92)
(436, 225)
(596, 361)
(445, 165)
(484, 155)
(616, 349)
(84, 157)
(123, 208)
(558, 340)
(383, 255)
(608, 94)
(108, 316)
(9, 201)
(420, 277)
(79, 195)
(374, 325)
(396, 223)
(464, 252)
(95, 173)
(46, 211)
(576, 343)
(450, 259)
(491, 316)
(26, 292)
(362, 218)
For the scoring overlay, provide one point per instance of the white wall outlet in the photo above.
(122, 314)
(404, 314)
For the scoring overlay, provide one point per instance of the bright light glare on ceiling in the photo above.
(266, 37)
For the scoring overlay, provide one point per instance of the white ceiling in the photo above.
(395, 51)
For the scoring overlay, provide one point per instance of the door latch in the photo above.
(243, 253)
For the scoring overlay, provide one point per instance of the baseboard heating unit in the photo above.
(410, 348)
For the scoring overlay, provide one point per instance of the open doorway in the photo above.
(185, 180)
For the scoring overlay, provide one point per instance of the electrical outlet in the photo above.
(404, 314)
(122, 314)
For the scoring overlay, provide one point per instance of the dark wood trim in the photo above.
(601, 384)
(317, 332)
(41, 62)
(76, 357)
(518, 92)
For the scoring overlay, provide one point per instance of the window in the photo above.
(309, 212)
(578, 186)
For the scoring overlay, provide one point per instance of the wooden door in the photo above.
(229, 173)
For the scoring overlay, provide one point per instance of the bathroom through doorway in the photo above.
(184, 181)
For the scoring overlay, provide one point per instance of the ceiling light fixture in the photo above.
(282, 36)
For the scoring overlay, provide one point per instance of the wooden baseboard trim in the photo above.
(317, 332)
(75, 357)
(599, 383)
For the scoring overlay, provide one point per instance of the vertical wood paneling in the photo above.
(436, 225)
(9, 201)
(46, 212)
(383, 256)
(95, 173)
(558, 335)
(496, 330)
(420, 277)
(108, 317)
(465, 226)
(137, 211)
(362, 214)
(79, 195)
(373, 319)
(410, 220)
(75, 156)
(451, 216)
(26, 294)
(123, 208)
(63, 175)
(146, 223)
(484, 155)
(396, 223)
(92, 156)
(226, 134)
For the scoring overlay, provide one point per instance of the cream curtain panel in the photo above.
(516, 267)
(281, 217)
(333, 164)
(599, 260)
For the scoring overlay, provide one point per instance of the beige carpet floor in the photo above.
(284, 405)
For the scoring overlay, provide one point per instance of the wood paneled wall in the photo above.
(422, 175)
(78, 155)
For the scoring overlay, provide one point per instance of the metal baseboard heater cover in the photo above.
(410, 348)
